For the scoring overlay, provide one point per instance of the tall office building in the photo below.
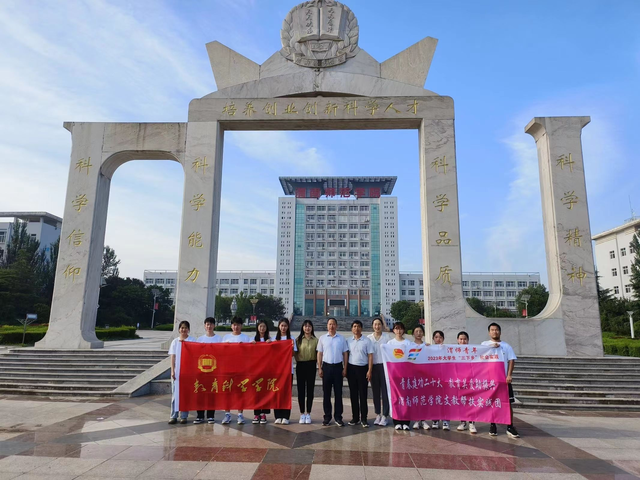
(41, 226)
(337, 246)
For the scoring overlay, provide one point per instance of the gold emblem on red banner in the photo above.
(207, 363)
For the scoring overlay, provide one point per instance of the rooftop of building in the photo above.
(46, 217)
(632, 222)
(360, 187)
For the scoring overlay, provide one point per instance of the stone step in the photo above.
(577, 369)
(58, 373)
(576, 406)
(89, 370)
(55, 392)
(59, 386)
(94, 363)
(603, 375)
(532, 399)
(594, 385)
(611, 358)
(98, 380)
(65, 356)
(94, 353)
(605, 394)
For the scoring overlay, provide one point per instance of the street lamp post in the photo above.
(630, 313)
(234, 307)
(525, 298)
(254, 302)
(155, 292)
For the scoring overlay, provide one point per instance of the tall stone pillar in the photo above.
(572, 283)
(75, 294)
(197, 265)
(441, 260)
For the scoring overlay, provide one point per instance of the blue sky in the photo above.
(502, 62)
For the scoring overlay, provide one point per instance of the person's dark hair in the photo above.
(494, 324)
(301, 336)
(332, 318)
(237, 320)
(210, 320)
(185, 323)
(463, 333)
(376, 318)
(399, 324)
(266, 334)
(419, 327)
(356, 322)
(278, 334)
(438, 331)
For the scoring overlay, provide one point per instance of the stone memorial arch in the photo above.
(322, 80)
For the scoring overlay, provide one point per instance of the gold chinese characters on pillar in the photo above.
(445, 275)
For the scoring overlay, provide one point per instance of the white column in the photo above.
(77, 284)
(441, 259)
(197, 266)
(572, 283)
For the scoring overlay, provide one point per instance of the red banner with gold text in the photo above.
(234, 376)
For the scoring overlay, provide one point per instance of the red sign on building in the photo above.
(330, 192)
(315, 193)
(374, 192)
(345, 192)
(301, 192)
(359, 192)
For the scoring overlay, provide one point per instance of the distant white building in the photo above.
(495, 288)
(614, 256)
(228, 283)
(42, 226)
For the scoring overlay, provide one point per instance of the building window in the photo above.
(171, 281)
(522, 284)
(623, 250)
(476, 293)
(627, 288)
(616, 290)
(311, 208)
(404, 293)
(253, 281)
(3, 236)
(487, 294)
(466, 293)
(159, 281)
(234, 291)
(511, 294)
(487, 284)
(612, 254)
(403, 282)
(499, 293)
(499, 283)
(533, 284)
(412, 292)
(465, 283)
(148, 281)
(511, 284)
(412, 283)
(625, 270)
(475, 284)
(511, 304)
(614, 272)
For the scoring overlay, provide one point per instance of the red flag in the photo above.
(226, 376)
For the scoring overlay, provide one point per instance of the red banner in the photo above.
(234, 376)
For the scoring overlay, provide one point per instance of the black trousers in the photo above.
(210, 413)
(358, 386)
(332, 380)
(306, 375)
(401, 422)
(379, 388)
(279, 413)
(262, 412)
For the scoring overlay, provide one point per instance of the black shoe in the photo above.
(197, 421)
(365, 424)
(512, 432)
(353, 422)
(173, 421)
(493, 430)
(326, 423)
(183, 421)
(340, 423)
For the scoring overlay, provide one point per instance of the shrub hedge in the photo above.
(10, 335)
(617, 345)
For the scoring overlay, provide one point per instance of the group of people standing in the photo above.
(358, 358)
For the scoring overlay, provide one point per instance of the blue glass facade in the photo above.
(375, 259)
(298, 264)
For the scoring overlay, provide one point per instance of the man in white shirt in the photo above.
(208, 337)
(509, 363)
(359, 370)
(236, 336)
(332, 367)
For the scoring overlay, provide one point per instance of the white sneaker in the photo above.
(226, 419)
(308, 418)
(303, 418)
(425, 425)
(377, 420)
(472, 428)
(285, 421)
(416, 426)
(383, 421)
(278, 421)
(240, 419)
(445, 425)
(398, 427)
(462, 427)
(435, 425)
(405, 427)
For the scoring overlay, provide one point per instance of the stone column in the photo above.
(77, 284)
(441, 260)
(197, 265)
(572, 283)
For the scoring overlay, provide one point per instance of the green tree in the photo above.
(269, 307)
(399, 309)
(110, 263)
(19, 241)
(536, 303)
(223, 307)
(412, 316)
(634, 279)
(477, 304)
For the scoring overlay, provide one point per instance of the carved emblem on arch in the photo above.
(319, 34)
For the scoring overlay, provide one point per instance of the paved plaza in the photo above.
(130, 438)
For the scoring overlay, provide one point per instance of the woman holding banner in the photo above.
(262, 335)
(283, 416)
(174, 352)
(400, 342)
(418, 341)
(378, 380)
